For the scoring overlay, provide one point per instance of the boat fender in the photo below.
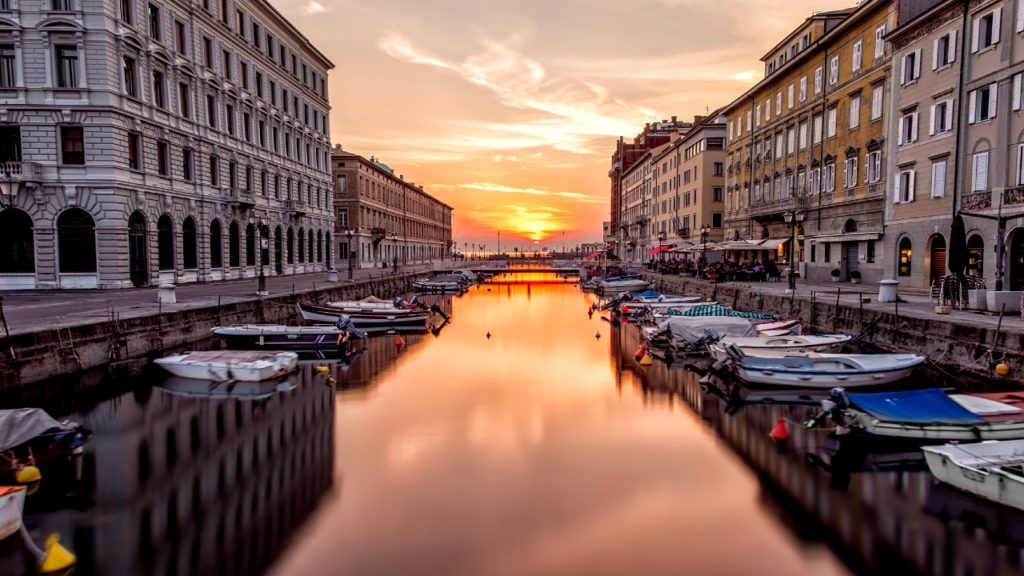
(56, 558)
(28, 475)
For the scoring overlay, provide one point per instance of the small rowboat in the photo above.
(450, 283)
(368, 318)
(766, 345)
(227, 390)
(616, 286)
(230, 365)
(277, 337)
(992, 470)
(12, 505)
(820, 370)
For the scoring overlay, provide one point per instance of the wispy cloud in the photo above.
(314, 7)
(503, 189)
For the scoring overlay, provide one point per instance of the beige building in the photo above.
(688, 185)
(637, 186)
(808, 141)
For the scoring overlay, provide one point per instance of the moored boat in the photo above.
(778, 344)
(278, 337)
(819, 370)
(992, 470)
(368, 318)
(446, 283)
(619, 285)
(12, 506)
(30, 435)
(224, 390)
(686, 335)
(245, 366)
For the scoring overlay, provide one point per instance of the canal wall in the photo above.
(958, 350)
(32, 357)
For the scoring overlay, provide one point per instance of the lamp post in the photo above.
(662, 237)
(351, 252)
(793, 219)
(261, 224)
(8, 187)
(705, 231)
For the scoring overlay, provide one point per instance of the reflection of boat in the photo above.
(246, 366)
(277, 337)
(368, 318)
(446, 283)
(992, 470)
(1000, 524)
(12, 504)
(232, 389)
(820, 370)
(925, 415)
(30, 434)
(770, 344)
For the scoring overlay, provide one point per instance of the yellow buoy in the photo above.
(28, 475)
(646, 360)
(57, 557)
(321, 369)
(1002, 369)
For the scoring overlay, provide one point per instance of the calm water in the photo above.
(541, 450)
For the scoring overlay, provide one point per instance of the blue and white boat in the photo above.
(820, 370)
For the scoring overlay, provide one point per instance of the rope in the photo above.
(36, 550)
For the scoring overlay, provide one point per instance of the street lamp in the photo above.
(351, 252)
(705, 231)
(261, 224)
(8, 186)
(793, 219)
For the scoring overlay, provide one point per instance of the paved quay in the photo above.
(36, 310)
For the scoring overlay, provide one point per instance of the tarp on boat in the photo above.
(692, 329)
(23, 424)
(647, 294)
(718, 310)
(931, 406)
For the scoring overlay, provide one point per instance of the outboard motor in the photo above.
(832, 406)
(437, 310)
(345, 323)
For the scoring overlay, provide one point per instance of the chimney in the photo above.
(673, 119)
(697, 120)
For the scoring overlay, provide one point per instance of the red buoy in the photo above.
(399, 342)
(640, 353)
(779, 433)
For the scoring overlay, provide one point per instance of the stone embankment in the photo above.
(32, 357)
(961, 350)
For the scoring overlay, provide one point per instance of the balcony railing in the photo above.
(244, 198)
(378, 232)
(976, 201)
(297, 207)
(776, 206)
(21, 171)
(1013, 196)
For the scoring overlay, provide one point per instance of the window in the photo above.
(778, 104)
(716, 194)
(944, 50)
(214, 171)
(76, 241)
(72, 145)
(911, 69)
(803, 135)
(858, 55)
(817, 80)
(159, 97)
(162, 160)
(234, 245)
(830, 177)
(850, 173)
(180, 37)
(247, 127)
(184, 101)
(125, 11)
(64, 5)
(154, 22)
(791, 141)
(874, 166)
(979, 172)
(1020, 164)
(828, 252)
(879, 42)
(877, 95)
(229, 112)
(207, 52)
(716, 219)
(833, 71)
(186, 164)
(831, 117)
(719, 169)
(232, 175)
(134, 150)
(854, 112)
(814, 252)
(942, 117)
(903, 257)
(908, 128)
(790, 92)
(904, 186)
(871, 252)
(803, 89)
(939, 179)
(211, 111)
(982, 104)
(226, 64)
(816, 129)
(189, 245)
(815, 181)
(128, 71)
(985, 31)
(67, 66)
(165, 242)
(243, 69)
(248, 178)
(17, 249)
(256, 35)
(240, 22)
(259, 85)
(8, 77)
(1016, 92)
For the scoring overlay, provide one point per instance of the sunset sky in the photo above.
(509, 110)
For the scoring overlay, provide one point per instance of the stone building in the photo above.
(382, 219)
(159, 141)
(689, 185)
(807, 142)
(636, 186)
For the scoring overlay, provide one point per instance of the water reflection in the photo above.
(176, 484)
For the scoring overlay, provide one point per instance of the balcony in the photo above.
(1013, 196)
(241, 198)
(295, 207)
(22, 171)
(976, 201)
(772, 207)
(683, 232)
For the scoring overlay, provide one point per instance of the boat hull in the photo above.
(223, 366)
(819, 379)
(990, 484)
(866, 425)
(294, 338)
(12, 505)
(367, 319)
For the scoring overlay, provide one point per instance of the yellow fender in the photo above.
(57, 557)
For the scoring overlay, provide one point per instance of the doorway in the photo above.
(938, 258)
(1017, 260)
(851, 255)
(138, 265)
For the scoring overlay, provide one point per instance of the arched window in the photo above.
(250, 245)
(850, 226)
(975, 257)
(165, 242)
(327, 248)
(309, 249)
(189, 245)
(903, 257)
(302, 245)
(278, 251)
(234, 246)
(138, 250)
(319, 245)
(291, 245)
(16, 246)
(76, 239)
(216, 255)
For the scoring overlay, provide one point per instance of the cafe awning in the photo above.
(772, 243)
(659, 249)
(848, 237)
(593, 255)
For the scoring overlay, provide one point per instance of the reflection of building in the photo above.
(153, 142)
(185, 485)
(382, 217)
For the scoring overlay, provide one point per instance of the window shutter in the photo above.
(1016, 89)
(935, 53)
(1020, 160)
(917, 64)
(911, 186)
(853, 178)
(896, 192)
(903, 70)
(931, 125)
(993, 89)
(1020, 16)
(995, 24)
(938, 180)
(949, 114)
(952, 45)
(914, 126)
(972, 106)
(975, 34)
(899, 137)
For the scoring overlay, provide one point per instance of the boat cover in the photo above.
(692, 329)
(647, 294)
(23, 424)
(719, 310)
(914, 406)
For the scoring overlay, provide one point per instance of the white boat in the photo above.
(619, 285)
(820, 370)
(279, 337)
(444, 283)
(223, 365)
(686, 334)
(766, 345)
(12, 505)
(371, 313)
(224, 390)
(992, 470)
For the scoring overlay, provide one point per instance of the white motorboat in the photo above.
(992, 470)
(781, 345)
(685, 334)
(12, 505)
(619, 285)
(278, 337)
(371, 313)
(245, 366)
(820, 370)
(447, 283)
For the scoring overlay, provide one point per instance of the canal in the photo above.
(522, 438)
